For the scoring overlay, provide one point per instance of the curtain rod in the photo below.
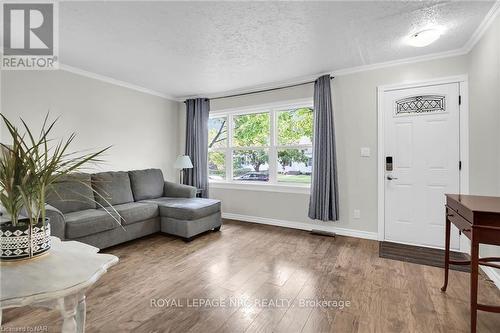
(264, 90)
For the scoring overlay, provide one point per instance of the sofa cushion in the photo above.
(113, 187)
(136, 212)
(88, 222)
(146, 184)
(72, 193)
(187, 208)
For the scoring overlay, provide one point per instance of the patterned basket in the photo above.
(15, 241)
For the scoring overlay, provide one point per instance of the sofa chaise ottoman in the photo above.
(86, 208)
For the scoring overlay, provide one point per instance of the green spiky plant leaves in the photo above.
(32, 164)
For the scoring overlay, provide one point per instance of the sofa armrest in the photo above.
(57, 221)
(175, 190)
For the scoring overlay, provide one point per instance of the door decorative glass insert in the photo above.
(421, 104)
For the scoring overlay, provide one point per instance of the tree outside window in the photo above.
(217, 138)
(294, 154)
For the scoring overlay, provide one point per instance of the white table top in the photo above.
(65, 269)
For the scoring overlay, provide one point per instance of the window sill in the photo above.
(249, 186)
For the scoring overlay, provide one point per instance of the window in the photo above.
(271, 145)
(217, 138)
(294, 150)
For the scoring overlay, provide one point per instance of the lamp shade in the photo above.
(183, 162)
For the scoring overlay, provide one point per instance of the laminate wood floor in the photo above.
(253, 264)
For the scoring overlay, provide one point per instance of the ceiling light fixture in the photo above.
(424, 37)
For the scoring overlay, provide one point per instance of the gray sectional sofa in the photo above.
(141, 200)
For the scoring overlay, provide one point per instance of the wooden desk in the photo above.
(478, 218)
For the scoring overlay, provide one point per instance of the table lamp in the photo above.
(182, 162)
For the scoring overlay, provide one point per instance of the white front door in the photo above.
(422, 139)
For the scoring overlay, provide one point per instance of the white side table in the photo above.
(58, 279)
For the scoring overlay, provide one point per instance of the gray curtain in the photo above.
(197, 110)
(324, 200)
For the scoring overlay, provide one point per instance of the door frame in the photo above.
(463, 83)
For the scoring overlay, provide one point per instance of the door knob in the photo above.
(391, 177)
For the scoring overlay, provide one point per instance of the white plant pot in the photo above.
(19, 242)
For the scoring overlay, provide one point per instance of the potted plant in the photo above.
(29, 166)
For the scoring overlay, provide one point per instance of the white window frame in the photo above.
(272, 185)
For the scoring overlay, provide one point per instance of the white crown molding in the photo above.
(476, 36)
(483, 27)
(302, 226)
(272, 85)
(116, 82)
(412, 60)
(340, 72)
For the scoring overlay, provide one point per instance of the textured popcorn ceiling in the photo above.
(186, 48)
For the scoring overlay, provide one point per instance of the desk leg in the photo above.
(446, 254)
(474, 267)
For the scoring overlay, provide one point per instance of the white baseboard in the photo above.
(302, 226)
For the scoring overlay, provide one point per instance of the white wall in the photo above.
(484, 75)
(142, 129)
(355, 107)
